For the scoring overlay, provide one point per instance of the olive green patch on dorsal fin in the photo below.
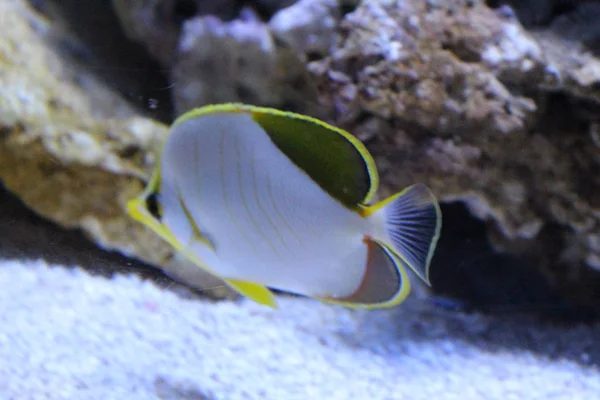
(337, 161)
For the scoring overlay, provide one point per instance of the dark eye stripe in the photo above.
(153, 206)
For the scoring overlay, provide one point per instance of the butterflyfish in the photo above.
(266, 199)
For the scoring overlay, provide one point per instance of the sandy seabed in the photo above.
(65, 334)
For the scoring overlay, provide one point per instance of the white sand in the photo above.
(67, 335)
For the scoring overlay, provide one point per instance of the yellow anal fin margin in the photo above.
(385, 283)
(258, 293)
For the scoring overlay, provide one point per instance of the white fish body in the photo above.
(267, 220)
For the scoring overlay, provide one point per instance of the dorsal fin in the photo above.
(337, 161)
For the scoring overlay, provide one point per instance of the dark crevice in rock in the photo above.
(26, 236)
(468, 274)
(265, 9)
(89, 34)
(232, 9)
(575, 280)
(348, 6)
(184, 9)
(463, 53)
(562, 113)
(574, 20)
(533, 13)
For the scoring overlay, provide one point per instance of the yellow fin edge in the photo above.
(367, 211)
(136, 210)
(400, 296)
(393, 302)
(258, 293)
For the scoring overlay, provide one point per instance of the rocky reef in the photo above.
(502, 119)
(72, 148)
(496, 106)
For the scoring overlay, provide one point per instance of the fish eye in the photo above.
(153, 206)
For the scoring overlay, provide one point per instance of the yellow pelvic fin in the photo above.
(385, 283)
(258, 293)
(136, 208)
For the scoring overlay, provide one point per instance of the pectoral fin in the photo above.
(384, 284)
(258, 293)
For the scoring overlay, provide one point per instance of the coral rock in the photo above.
(309, 26)
(63, 152)
(239, 60)
(157, 23)
(461, 97)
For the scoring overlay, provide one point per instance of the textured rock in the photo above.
(88, 35)
(309, 26)
(157, 23)
(437, 71)
(221, 61)
(71, 149)
(461, 97)
(220, 52)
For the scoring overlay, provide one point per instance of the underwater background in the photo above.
(494, 105)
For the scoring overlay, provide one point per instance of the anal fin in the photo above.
(385, 282)
(259, 293)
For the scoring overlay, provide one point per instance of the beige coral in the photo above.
(64, 152)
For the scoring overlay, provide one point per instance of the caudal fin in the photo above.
(413, 221)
